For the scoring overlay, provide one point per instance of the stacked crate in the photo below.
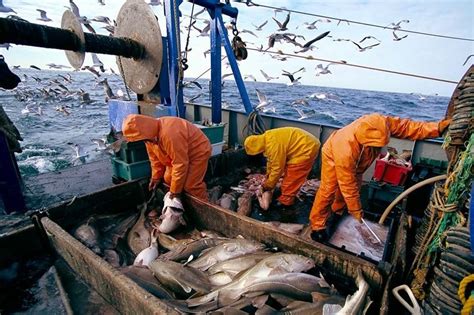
(131, 162)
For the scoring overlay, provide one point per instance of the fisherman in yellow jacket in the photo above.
(290, 152)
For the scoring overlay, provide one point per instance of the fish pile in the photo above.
(240, 197)
(207, 272)
(309, 188)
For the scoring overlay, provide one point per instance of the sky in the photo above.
(416, 54)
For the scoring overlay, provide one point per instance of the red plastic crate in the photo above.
(390, 173)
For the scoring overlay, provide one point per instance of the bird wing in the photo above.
(196, 84)
(278, 22)
(358, 46)
(308, 44)
(286, 20)
(263, 24)
(74, 8)
(261, 97)
(96, 60)
(264, 74)
(207, 28)
(290, 76)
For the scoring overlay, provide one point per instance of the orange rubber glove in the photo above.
(443, 124)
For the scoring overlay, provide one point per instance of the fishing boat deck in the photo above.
(47, 189)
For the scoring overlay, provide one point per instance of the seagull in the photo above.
(282, 26)
(307, 46)
(343, 20)
(87, 24)
(397, 26)
(97, 63)
(300, 101)
(226, 75)
(259, 28)
(267, 77)
(107, 90)
(293, 81)
(262, 99)
(102, 2)
(66, 78)
(29, 110)
(205, 30)
(62, 109)
(101, 19)
(323, 70)
(248, 32)
(326, 97)
(419, 96)
(188, 84)
(192, 99)
(396, 38)
(85, 97)
(43, 17)
(303, 115)
(207, 52)
(249, 76)
(311, 26)
(362, 49)
(369, 37)
(80, 156)
(55, 66)
(467, 59)
(302, 69)
(35, 67)
(91, 69)
(154, 2)
(110, 29)
(5, 9)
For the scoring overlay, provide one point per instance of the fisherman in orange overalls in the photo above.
(290, 152)
(348, 153)
(178, 152)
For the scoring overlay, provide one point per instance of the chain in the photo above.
(123, 78)
(178, 48)
(185, 58)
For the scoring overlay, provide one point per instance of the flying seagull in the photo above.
(262, 99)
(307, 46)
(43, 17)
(396, 38)
(397, 26)
(282, 26)
(259, 28)
(267, 77)
(293, 81)
(362, 49)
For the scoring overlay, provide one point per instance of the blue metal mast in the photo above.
(218, 34)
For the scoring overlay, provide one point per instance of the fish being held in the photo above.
(182, 280)
(224, 251)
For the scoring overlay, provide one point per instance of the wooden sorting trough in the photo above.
(129, 298)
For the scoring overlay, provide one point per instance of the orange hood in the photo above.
(373, 131)
(140, 127)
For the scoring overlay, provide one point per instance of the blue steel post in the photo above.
(233, 65)
(174, 50)
(216, 87)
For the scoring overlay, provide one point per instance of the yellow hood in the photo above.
(254, 144)
(140, 127)
(373, 131)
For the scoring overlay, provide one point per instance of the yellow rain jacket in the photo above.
(281, 147)
(177, 145)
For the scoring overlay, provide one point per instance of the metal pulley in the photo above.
(239, 48)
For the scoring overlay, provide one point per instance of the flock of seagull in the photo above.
(58, 89)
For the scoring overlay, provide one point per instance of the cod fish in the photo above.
(89, 236)
(145, 279)
(228, 201)
(316, 307)
(356, 303)
(234, 266)
(180, 279)
(183, 251)
(170, 243)
(112, 257)
(226, 250)
(219, 279)
(139, 238)
(245, 204)
(273, 265)
(146, 256)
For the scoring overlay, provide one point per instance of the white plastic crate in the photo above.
(217, 148)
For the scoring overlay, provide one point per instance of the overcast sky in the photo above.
(417, 54)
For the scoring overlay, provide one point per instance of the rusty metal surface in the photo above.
(70, 22)
(112, 285)
(136, 21)
(339, 264)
